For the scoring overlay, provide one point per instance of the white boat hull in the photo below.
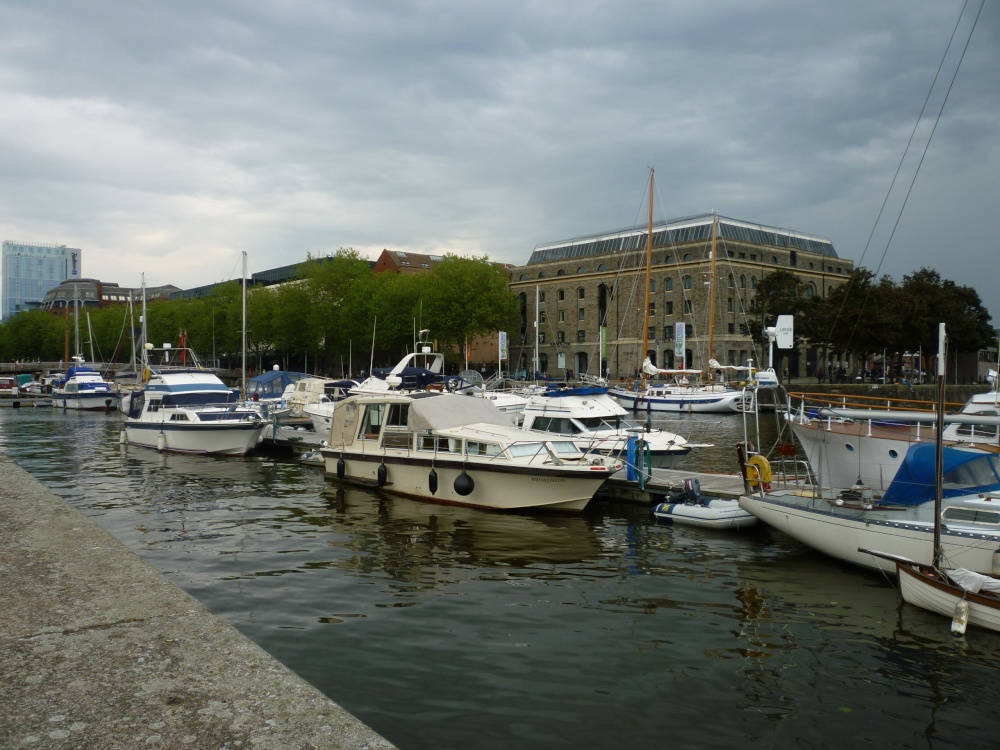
(86, 401)
(934, 595)
(717, 513)
(219, 438)
(727, 402)
(493, 487)
(840, 532)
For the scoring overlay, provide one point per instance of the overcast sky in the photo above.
(166, 137)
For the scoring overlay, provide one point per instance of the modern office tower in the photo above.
(30, 269)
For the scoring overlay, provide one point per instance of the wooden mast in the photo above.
(711, 298)
(649, 263)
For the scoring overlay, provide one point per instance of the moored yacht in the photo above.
(598, 424)
(83, 388)
(187, 409)
(456, 449)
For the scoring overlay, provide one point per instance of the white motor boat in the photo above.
(189, 410)
(598, 424)
(455, 449)
(84, 389)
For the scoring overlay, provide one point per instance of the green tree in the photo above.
(466, 298)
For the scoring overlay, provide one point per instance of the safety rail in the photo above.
(802, 402)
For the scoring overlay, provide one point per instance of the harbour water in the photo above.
(451, 628)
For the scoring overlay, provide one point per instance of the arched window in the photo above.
(541, 274)
(561, 295)
(687, 282)
(580, 293)
(580, 269)
(810, 291)
(652, 285)
(602, 267)
(774, 259)
(668, 285)
(687, 256)
(522, 277)
(743, 281)
(753, 282)
(561, 272)
(730, 281)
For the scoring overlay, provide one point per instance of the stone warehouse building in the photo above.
(590, 295)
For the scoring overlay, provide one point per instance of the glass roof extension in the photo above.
(680, 232)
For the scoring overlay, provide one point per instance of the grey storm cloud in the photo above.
(164, 138)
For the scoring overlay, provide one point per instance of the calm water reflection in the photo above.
(446, 628)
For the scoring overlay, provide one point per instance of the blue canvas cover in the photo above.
(272, 384)
(965, 472)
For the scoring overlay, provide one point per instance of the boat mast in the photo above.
(243, 378)
(711, 296)
(76, 322)
(649, 263)
(535, 360)
(939, 446)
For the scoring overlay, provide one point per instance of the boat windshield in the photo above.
(601, 423)
(566, 449)
(525, 449)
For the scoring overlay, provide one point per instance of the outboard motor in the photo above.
(690, 494)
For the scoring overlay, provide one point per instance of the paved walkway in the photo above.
(98, 650)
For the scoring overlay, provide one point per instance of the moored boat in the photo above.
(84, 389)
(455, 449)
(689, 508)
(190, 410)
(598, 424)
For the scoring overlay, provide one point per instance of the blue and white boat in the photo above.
(187, 409)
(83, 388)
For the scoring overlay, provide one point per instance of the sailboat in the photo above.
(967, 596)
(683, 391)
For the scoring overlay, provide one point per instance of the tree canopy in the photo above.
(318, 322)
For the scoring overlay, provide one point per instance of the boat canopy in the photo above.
(272, 384)
(442, 411)
(965, 472)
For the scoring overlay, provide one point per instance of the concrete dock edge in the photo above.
(99, 650)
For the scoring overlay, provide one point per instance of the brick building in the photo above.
(590, 295)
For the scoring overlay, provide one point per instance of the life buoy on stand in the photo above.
(760, 473)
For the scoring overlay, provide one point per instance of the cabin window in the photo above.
(371, 424)
(439, 444)
(182, 417)
(474, 448)
(526, 449)
(154, 405)
(971, 515)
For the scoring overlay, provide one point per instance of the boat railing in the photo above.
(805, 405)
